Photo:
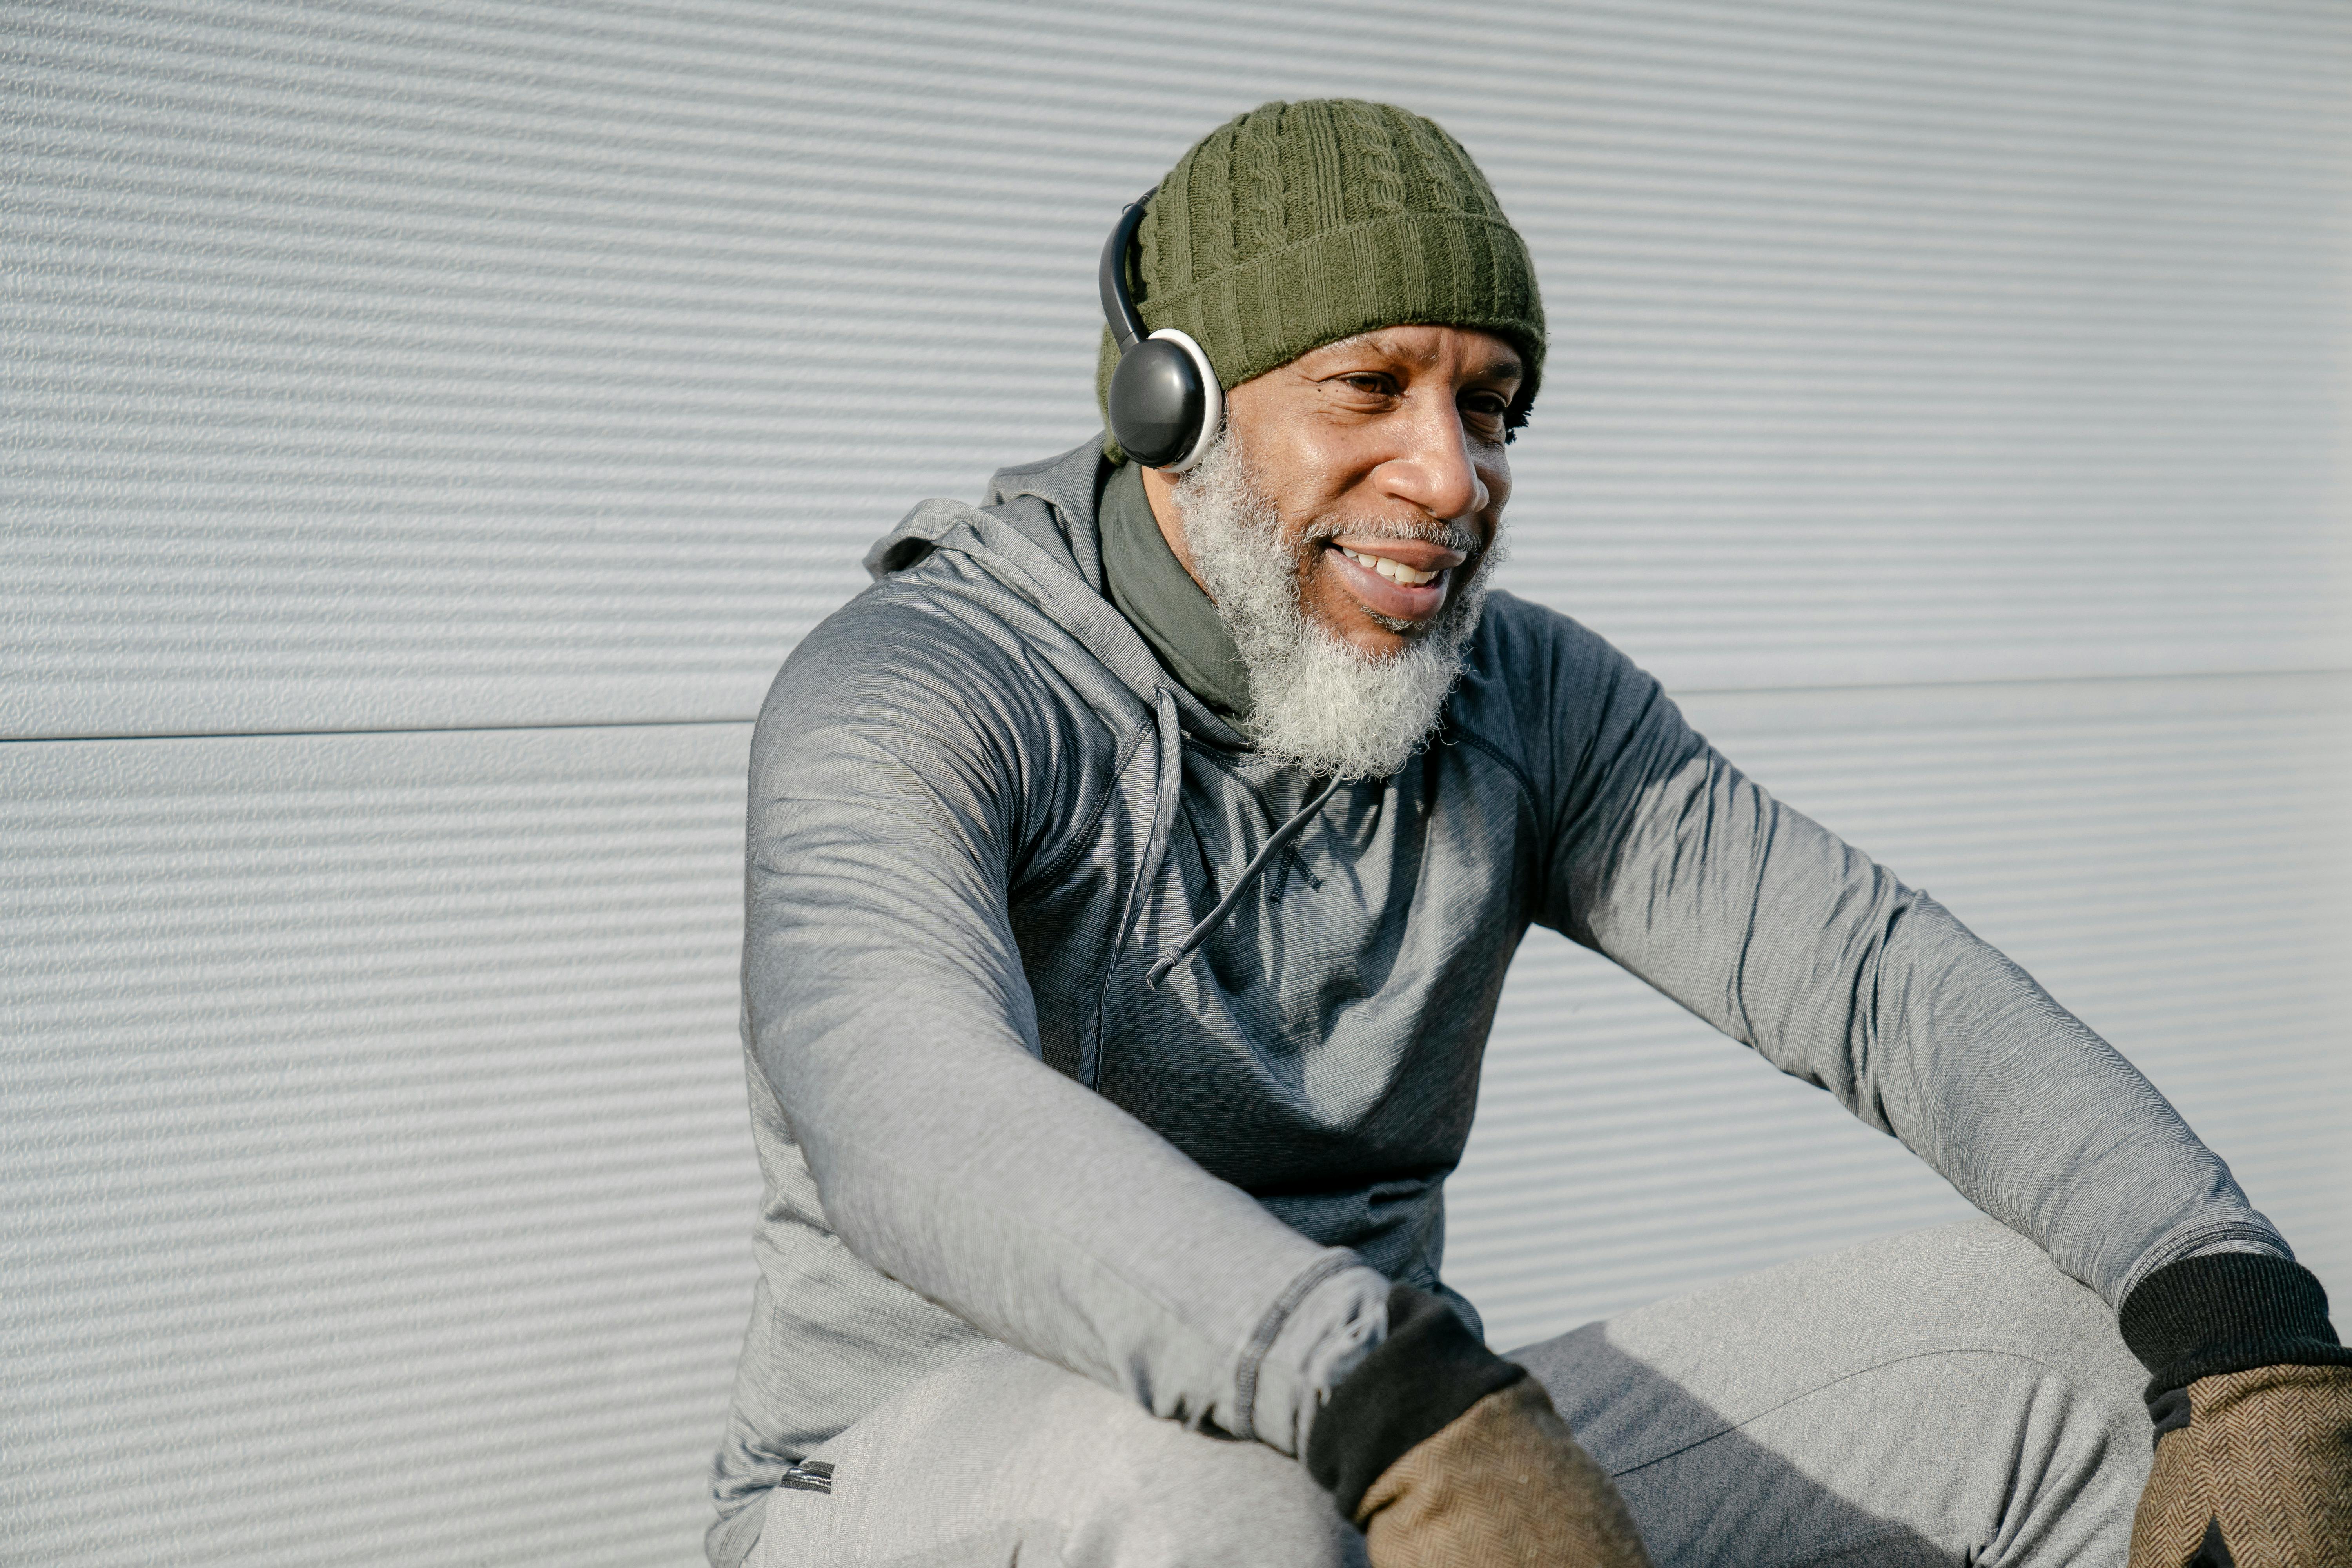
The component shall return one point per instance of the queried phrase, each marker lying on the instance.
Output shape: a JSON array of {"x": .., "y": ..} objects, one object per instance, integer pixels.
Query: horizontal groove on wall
[
  {"x": 378, "y": 1165},
  {"x": 442, "y": 367}
]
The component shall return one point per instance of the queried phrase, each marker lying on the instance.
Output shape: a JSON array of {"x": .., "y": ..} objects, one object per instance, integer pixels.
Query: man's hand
[
  {"x": 2252, "y": 1393},
  {"x": 1449, "y": 1457},
  {"x": 2259, "y": 1475},
  {"x": 1505, "y": 1485}
]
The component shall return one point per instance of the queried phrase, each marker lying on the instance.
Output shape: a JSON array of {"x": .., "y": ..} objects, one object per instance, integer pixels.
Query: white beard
[{"x": 1317, "y": 700}]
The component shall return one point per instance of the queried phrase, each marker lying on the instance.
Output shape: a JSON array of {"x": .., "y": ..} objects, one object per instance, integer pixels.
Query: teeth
[{"x": 1394, "y": 571}]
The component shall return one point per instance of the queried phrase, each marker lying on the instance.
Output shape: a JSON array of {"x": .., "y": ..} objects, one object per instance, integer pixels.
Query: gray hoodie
[{"x": 1073, "y": 1023}]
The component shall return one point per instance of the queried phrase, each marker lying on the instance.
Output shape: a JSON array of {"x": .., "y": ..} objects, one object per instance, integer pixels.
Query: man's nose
[{"x": 1433, "y": 469}]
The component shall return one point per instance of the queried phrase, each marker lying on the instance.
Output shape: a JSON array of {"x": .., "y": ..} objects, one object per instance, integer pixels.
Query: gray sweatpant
[{"x": 1942, "y": 1397}]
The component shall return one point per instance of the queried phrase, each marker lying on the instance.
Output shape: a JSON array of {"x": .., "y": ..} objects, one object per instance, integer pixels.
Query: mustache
[{"x": 1444, "y": 535}]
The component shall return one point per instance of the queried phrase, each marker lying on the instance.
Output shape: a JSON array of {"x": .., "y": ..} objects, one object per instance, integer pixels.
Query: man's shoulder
[
  {"x": 1515, "y": 626},
  {"x": 938, "y": 605},
  {"x": 1527, "y": 656},
  {"x": 1542, "y": 687},
  {"x": 940, "y": 651}
]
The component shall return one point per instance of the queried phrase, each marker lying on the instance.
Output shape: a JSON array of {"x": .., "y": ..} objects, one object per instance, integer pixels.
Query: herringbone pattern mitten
[
  {"x": 2265, "y": 1462},
  {"x": 1503, "y": 1486}
]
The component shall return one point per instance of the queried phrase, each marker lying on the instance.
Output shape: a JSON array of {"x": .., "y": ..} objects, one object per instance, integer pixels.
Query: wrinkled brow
[{"x": 1504, "y": 367}]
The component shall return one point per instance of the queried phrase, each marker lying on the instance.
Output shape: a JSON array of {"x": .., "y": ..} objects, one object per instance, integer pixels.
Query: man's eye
[
  {"x": 1371, "y": 384},
  {"x": 1488, "y": 414}
]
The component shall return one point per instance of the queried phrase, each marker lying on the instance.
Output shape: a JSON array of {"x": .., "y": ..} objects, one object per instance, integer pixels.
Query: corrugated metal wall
[{"x": 425, "y": 428}]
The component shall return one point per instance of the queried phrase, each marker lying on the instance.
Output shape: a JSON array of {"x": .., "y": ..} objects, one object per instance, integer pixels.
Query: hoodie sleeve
[
  {"x": 891, "y": 794},
  {"x": 1686, "y": 872}
]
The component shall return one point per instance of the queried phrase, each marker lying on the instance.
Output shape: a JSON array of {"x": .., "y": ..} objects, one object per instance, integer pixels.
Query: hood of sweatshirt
[{"x": 1037, "y": 534}]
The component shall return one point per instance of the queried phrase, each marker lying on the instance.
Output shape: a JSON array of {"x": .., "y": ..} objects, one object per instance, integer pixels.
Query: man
[{"x": 1133, "y": 872}]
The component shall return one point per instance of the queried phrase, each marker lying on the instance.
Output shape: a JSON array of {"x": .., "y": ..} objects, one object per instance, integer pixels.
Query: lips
[
  {"x": 1392, "y": 593},
  {"x": 1390, "y": 567}
]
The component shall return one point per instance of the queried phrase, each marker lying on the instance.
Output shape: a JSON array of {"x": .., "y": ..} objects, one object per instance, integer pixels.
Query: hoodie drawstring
[
  {"x": 1275, "y": 843},
  {"x": 1164, "y": 806}
]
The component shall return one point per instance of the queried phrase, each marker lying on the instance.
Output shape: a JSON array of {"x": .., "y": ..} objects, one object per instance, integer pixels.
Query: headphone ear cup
[
  {"x": 1212, "y": 397},
  {"x": 1158, "y": 402}
]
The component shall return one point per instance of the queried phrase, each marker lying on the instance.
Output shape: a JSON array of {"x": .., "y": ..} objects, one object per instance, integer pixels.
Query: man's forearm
[{"x": 1053, "y": 1221}]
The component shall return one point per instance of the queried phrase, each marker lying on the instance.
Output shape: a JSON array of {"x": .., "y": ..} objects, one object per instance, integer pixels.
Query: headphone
[{"x": 1165, "y": 403}]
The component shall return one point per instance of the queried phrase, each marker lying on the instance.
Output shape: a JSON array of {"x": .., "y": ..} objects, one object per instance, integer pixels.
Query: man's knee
[
  {"x": 1003, "y": 1445},
  {"x": 1215, "y": 1501},
  {"x": 1974, "y": 1285},
  {"x": 1155, "y": 1495},
  {"x": 1890, "y": 1394}
]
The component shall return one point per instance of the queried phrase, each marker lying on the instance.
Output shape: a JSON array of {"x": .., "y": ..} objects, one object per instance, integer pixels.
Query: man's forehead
[{"x": 1484, "y": 353}]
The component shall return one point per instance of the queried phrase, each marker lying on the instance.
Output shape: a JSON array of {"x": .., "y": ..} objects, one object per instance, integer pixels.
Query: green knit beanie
[{"x": 1297, "y": 224}]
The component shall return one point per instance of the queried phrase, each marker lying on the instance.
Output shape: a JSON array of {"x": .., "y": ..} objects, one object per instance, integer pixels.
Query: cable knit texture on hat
[{"x": 1297, "y": 224}]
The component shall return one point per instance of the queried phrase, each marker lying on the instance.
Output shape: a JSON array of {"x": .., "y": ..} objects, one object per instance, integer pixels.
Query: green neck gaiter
[{"x": 1160, "y": 600}]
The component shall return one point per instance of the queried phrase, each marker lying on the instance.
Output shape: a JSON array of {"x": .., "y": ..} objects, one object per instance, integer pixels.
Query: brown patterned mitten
[
  {"x": 1502, "y": 1486},
  {"x": 1449, "y": 1457},
  {"x": 2259, "y": 1476}
]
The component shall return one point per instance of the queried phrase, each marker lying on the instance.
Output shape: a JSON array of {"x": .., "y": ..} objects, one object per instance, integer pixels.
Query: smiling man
[{"x": 1133, "y": 871}]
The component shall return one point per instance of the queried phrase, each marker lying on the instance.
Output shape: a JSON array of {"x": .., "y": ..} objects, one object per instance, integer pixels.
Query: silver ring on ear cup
[{"x": 1213, "y": 400}]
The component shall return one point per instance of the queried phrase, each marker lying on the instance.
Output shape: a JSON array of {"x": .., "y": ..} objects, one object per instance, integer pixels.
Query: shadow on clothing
[{"x": 1702, "y": 1491}]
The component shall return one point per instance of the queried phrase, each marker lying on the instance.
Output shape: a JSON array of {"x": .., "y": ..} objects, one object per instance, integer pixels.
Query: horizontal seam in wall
[
  {"x": 2002, "y": 683},
  {"x": 381, "y": 730},
  {"x": 2006, "y": 682}
]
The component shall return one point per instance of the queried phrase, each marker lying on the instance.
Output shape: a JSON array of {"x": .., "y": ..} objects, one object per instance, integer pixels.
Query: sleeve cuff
[
  {"x": 1324, "y": 1337},
  {"x": 1426, "y": 1371},
  {"x": 2227, "y": 1311}
]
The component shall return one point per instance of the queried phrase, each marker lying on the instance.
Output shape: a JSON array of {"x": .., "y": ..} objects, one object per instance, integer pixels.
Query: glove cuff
[
  {"x": 2226, "y": 1311},
  {"x": 1427, "y": 1372}
]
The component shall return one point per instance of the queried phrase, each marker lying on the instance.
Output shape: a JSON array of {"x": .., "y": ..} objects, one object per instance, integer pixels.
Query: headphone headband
[{"x": 1119, "y": 306}]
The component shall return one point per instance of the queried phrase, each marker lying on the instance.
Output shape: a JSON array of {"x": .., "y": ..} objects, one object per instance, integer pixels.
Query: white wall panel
[
  {"x": 376, "y": 366},
  {"x": 375, "y": 1171},
  {"x": 377, "y": 1184},
  {"x": 2171, "y": 859}
]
